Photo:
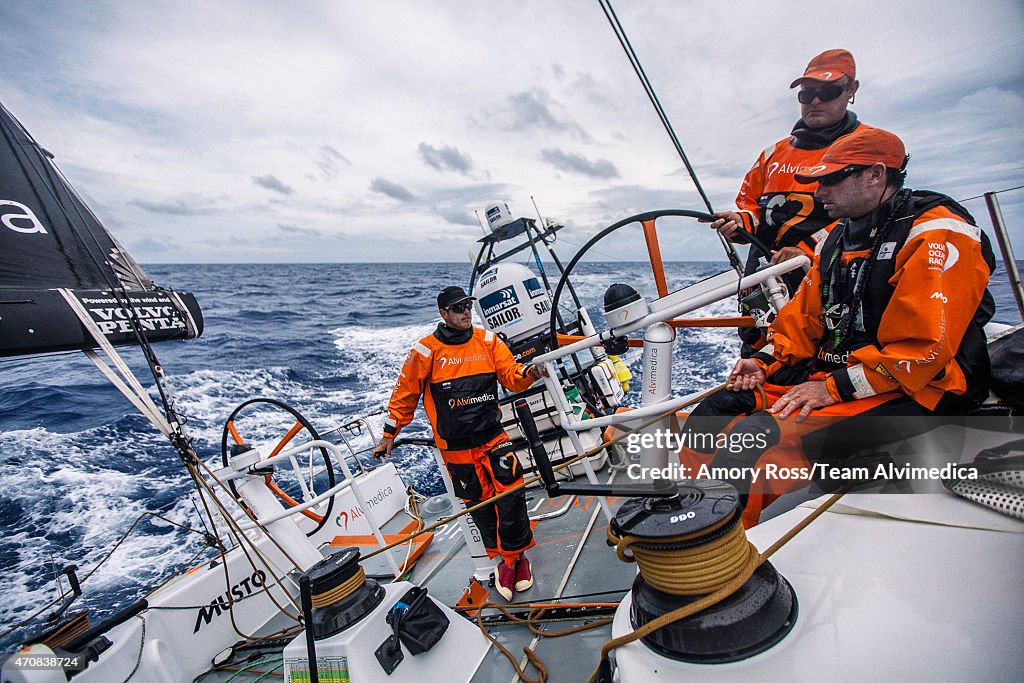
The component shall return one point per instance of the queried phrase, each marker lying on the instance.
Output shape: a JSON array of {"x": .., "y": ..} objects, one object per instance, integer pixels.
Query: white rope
[
  {"x": 118, "y": 372},
  {"x": 144, "y": 404}
]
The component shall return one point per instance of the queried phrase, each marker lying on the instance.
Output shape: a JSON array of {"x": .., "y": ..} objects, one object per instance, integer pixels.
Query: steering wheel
[
  {"x": 648, "y": 221},
  {"x": 255, "y": 415}
]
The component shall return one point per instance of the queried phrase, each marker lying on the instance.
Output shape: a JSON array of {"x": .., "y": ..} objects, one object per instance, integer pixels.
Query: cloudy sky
[{"x": 255, "y": 131}]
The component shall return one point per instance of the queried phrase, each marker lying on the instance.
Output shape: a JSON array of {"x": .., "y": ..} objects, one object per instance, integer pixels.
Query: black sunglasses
[
  {"x": 840, "y": 175},
  {"x": 460, "y": 307},
  {"x": 824, "y": 94}
]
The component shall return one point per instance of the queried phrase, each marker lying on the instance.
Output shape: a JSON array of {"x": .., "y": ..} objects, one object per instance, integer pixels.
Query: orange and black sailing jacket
[
  {"x": 777, "y": 207},
  {"x": 457, "y": 375},
  {"x": 781, "y": 210},
  {"x": 905, "y": 313}
]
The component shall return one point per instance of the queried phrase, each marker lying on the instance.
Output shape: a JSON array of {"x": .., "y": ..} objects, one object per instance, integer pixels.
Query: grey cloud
[
  {"x": 271, "y": 182},
  {"x": 532, "y": 109},
  {"x": 479, "y": 193},
  {"x": 298, "y": 230},
  {"x": 148, "y": 245},
  {"x": 445, "y": 158},
  {"x": 577, "y": 163},
  {"x": 175, "y": 207},
  {"x": 624, "y": 200},
  {"x": 457, "y": 216},
  {"x": 595, "y": 92},
  {"x": 457, "y": 204},
  {"x": 327, "y": 161},
  {"x": 393, "y": 190}
]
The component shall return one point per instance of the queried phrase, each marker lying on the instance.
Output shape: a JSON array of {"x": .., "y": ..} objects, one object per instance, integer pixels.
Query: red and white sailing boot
[
  {"x": 505, "y": 579},
  {"x": 524, "y": 576}
]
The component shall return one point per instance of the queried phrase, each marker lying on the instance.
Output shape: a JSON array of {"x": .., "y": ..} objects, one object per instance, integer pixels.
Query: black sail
[{"x": 50, "y": 241}]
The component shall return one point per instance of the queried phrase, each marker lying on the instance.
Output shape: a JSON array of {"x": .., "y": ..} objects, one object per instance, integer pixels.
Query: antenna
[
  {"x": 478, "y": 220},
  {"x": 543, "y": 223}
]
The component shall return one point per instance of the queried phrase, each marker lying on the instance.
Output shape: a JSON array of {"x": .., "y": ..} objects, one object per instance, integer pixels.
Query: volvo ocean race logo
[
  {"x": 501, "y": 307},
  {"x": 222, "y": 603}
]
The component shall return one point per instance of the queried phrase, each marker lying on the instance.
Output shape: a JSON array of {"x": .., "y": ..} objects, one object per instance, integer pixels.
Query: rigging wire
[
  {"x": 51, "y": 177},
  {"x": 620, "y": 33},
  {"x": 99, "y": 564},
  {"x": 1008, "y": 189},
  {"x": 560, "y": 466},
  {"x": 634, "y": 60}
]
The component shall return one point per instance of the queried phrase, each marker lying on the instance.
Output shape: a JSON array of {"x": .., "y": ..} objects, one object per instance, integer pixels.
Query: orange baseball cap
[
  {"x": 864, "y": 147},
  {"x": 830, "y": 65}
]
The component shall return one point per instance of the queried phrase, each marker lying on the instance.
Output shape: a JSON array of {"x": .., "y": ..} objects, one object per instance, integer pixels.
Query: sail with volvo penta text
[{"x": 64, "y": 278}]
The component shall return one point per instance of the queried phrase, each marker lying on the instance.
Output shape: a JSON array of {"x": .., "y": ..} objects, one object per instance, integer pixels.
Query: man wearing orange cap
[
  {"x": 889, "y": 320},
  {"x": 772, "y": 203}
]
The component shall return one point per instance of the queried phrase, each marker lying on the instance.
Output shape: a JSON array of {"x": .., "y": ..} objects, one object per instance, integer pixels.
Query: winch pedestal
[
  {"x": 692, "y": 526},
  {"x": 349, "y": 629}
]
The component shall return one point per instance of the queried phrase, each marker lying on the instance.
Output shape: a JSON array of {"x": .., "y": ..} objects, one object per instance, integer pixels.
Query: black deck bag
[{"x": 417, "y": 621}]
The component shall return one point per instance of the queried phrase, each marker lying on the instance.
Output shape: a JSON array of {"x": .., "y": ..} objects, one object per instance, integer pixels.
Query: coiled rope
[
  {"x": 697, "y": 563},
  {"x": 723, "y": 591},
  {"x": 341, "y": 591}
]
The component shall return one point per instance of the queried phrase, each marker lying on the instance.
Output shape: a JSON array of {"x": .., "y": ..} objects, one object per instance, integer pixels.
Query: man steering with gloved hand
[{"x": 457, "y": 369}]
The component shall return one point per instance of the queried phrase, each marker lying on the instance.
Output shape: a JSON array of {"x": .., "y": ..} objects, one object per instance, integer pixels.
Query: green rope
[
  {"x": 271, "y": 671},
  {"x": 244, "y": 669}
]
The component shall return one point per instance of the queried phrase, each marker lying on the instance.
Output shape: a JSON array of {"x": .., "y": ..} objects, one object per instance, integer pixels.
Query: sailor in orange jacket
[
  {"x": 888, "y": 321},
  {"x": 773, "y": 203},
  {"x": 456, "y": 370}
]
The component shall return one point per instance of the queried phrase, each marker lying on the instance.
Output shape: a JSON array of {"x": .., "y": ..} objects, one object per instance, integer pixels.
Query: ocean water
[{"x": 78, "y": 464}]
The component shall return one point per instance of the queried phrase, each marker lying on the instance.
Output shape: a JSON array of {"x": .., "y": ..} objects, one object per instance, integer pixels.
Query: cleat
[
  {"x": 504, "y": 578},
  {"x": 524, "y": 576}
]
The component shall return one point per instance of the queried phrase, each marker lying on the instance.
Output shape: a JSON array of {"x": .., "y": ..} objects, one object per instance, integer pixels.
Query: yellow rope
[
  {"x": 341, "y": 591},
  {"x": 697, "y": 570},
  {"x": 725, "y": 590}
]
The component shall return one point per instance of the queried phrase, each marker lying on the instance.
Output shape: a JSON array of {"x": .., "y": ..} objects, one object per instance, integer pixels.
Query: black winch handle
[
  {"x": 533, "y": 440},
  {"x": 306, "y": 598},
  {"x": 659, "y": 489}
]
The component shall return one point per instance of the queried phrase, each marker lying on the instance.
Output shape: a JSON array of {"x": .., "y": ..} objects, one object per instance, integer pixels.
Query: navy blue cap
[{"x": 450, "y": 296}]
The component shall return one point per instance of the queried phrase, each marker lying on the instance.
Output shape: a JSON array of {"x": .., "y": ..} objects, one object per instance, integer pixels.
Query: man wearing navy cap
[{"x": 456, "y": 370}]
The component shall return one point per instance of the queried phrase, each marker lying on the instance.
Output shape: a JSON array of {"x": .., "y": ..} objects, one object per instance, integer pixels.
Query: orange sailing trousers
[{"x": 481, "y": 473}]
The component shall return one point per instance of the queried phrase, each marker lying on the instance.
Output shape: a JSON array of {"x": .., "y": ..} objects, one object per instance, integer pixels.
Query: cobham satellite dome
[{"x": 498, "y": 215}]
